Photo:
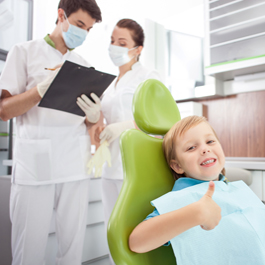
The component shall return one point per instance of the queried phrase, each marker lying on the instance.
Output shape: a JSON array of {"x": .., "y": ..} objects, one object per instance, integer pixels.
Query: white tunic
[
  {"x": 117, "y": 107},
  {"x": 51, "y": 146}
]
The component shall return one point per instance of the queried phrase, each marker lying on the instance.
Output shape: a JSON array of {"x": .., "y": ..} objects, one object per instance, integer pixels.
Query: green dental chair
[{"x": 146, "y": 173}]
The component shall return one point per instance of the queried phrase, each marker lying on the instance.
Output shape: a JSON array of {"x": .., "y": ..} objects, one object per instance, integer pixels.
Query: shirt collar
[
  {"x": 183, "y": 183},
  {"x": 50, "y": 42}
]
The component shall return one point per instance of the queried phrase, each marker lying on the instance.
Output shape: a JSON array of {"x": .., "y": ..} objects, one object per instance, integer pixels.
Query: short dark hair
[
  {"x": 89, "y": 6},
  {"x": 137, "y": 31}
]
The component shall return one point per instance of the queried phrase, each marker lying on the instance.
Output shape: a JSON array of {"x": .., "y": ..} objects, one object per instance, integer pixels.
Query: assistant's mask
[
  {"x": 119, "y": 55},
  {"x": 74, "y": 36}
]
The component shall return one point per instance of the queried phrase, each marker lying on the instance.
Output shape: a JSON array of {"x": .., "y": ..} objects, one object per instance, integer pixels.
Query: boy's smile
[
  {"x": 199, "y": 154},
  {"x": 208, "y": 162}
]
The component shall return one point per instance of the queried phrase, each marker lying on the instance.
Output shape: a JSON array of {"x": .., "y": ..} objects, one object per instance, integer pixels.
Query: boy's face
[{"x": 199, "y": 154}]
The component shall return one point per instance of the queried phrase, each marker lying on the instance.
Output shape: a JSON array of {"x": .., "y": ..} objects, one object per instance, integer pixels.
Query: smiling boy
[
  {"x": 183, "y": 217},
  {"x": 188, "y": 144}
]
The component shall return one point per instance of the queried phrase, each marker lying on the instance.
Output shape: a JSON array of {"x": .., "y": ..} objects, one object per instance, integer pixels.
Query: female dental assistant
[
  {"x": 51, "y": 147},
  {"x": 127, "y": 42}
]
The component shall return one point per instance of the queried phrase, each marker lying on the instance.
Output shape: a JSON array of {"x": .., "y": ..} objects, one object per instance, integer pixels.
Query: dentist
[
  {"x": 127, "y": 41},
  {"x": 51, "y": 147}
]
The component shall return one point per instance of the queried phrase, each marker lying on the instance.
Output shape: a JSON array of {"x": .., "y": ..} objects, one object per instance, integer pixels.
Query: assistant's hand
[
  {"x": 114, "y": 130},
  {"x": 210, "y": 210},
  {"x": 91, "y": 109},
  {"x": 43, "y": 86},
  {"x": 98, "y": 131}
]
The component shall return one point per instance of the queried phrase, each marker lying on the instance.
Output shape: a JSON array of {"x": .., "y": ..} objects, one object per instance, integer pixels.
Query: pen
[{"x": 51, "y": 69}]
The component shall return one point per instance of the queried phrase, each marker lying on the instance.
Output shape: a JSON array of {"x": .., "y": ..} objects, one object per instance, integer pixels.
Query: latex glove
[
  {"x": 114, "y": 130},
  {"x": 101, "y": 156},
  {"x": 44, "y": 85},
  {"x": 91, "y": 109}
]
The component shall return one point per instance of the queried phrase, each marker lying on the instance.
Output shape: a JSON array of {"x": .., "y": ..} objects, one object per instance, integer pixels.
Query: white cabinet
[
  {"x": 3, "y": 146},
  {"x": 235, "y": 37},
  {"x": 5, "y": 224}
]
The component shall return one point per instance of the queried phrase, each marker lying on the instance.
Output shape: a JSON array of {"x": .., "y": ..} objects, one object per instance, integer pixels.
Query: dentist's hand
[
  {"x": 114, "y": 130},
  {"x": 91, "y": 109},
  {"x": 210, "y": 210},
  {"x": 43, "y": 86}
]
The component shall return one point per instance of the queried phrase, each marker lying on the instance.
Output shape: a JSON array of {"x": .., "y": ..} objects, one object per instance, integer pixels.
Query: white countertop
[{"x": 252, "y": 163}]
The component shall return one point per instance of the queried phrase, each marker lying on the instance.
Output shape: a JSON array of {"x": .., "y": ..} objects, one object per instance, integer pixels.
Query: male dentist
[{"x": 51, "y": 147}]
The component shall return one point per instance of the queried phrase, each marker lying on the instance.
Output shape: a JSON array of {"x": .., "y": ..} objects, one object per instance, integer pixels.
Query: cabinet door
[
  {"x": 235, "y": 37},
  {"x": 3, "y": 146}
]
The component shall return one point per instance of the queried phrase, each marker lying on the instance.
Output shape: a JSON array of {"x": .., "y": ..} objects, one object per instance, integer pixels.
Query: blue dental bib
[{"x": 239, "y": 238}]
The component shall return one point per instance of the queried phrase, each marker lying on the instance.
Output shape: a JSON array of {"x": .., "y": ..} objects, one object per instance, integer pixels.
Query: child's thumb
[{"x": 210, "y": 190}]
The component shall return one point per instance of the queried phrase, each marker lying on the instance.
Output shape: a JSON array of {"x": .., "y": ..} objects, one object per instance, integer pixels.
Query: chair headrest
[
  {"x": 235, "y": 174},
  {"x": 154, "y": 109}
]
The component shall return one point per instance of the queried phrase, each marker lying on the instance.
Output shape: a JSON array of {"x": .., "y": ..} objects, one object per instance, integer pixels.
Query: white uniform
[
  {"x": 50, "y": 152},
  {"x": 117, "y": 107}
]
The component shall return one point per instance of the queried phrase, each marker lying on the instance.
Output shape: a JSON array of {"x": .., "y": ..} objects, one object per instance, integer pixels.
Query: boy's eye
[
  {"x": 191, "y": 148},
  {"x": 210, "y": 142}
]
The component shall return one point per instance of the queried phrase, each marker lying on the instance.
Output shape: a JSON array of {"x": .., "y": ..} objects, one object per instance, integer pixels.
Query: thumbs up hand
[{"x": 210, "y": 211}]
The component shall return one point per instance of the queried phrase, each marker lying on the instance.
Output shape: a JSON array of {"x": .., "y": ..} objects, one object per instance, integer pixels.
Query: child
[{"x": 195, "y": 156}]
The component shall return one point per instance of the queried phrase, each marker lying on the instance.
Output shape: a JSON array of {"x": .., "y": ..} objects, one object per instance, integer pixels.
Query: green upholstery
[
  {"x": 146, "y": 173},
  {"x": 154, "y": 109}
]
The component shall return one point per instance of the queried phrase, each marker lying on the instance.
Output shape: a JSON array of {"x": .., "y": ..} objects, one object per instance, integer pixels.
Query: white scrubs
[
  {"x": 117, "y": 107},
  {"x": 50, "y": 153}
]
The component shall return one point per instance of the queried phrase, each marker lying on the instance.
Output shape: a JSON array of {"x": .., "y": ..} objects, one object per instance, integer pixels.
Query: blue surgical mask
[
  {"x": 74, "y": 36},
  {"x": 119, "y": 55}
]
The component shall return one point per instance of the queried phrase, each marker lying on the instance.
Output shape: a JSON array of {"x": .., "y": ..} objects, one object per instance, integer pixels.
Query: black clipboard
[{"x": 72, "y": 81}]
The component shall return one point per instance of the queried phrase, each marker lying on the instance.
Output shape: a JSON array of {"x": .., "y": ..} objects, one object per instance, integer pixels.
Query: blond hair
[{"x": 178, "y": 130}]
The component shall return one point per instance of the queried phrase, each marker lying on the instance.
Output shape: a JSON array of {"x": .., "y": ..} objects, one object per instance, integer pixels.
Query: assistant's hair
[
  {"x": 178, "y": 130},
  {"x": 136, "y": 30},
  {"x": 89, "y": 6}
]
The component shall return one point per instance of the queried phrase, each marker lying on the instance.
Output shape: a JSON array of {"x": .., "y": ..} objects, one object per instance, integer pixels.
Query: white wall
[
  {"x": 172, "y": 13},
  {"x": 189, "y": 21}
]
